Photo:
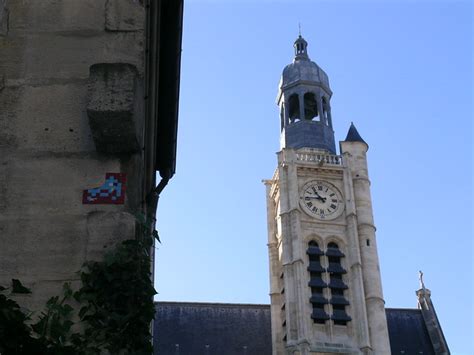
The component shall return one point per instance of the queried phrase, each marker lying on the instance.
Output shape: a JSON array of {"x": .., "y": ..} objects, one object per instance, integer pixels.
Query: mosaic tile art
[{"x": 111, "y": 192}]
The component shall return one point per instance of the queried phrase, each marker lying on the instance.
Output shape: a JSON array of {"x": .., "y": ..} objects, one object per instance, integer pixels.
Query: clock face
[{"x": 321, "y": 200}]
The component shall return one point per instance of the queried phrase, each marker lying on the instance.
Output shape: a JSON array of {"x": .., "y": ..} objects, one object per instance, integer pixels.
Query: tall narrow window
[
  {"x": 282, "y": 118},
  {"x": 283, "y": 306},
  {"x": 316, "y": 283},
  {"x": 294, "y": 111},
  {"x": 325, "y": 110},
  {"x": 310, "y": 106},
  {"x": 336, "y": 285}
]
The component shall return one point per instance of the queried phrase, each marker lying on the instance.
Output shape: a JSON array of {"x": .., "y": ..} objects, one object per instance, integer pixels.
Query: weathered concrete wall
[{"x": 47, "y": 152}]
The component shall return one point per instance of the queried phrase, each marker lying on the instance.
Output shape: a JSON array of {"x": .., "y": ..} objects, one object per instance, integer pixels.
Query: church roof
[
  {"x": 189, "y": 328},
  {"x": 407, "y": 332},
  {"x": 212, "y": 328}
]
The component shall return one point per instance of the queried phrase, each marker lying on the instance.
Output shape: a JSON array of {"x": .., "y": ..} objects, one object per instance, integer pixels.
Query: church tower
[{"x": 326, "y": 291}]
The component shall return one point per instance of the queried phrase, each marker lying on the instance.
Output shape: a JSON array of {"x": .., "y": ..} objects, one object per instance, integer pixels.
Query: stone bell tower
[{"x": 326, "y": 291}]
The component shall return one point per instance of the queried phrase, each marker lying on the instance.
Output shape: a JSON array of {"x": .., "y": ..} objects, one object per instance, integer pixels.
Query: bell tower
[{"x": 325, "y": 284}]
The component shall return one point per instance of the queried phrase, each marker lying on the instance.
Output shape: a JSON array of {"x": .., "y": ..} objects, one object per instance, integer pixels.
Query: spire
[
  {"x": 425, "y": 305},
  {"x": 301, "y": 52},
  {"x": 353, "y": 135}
]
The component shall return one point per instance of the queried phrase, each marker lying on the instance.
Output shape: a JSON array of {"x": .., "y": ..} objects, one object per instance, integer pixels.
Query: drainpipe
[{"x": 154, "y": 195}]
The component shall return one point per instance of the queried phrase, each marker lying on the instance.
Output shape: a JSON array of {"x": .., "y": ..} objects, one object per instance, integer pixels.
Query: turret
[
  {"x": 354, "y": 150},
  {"x": 304, "y": 100}
]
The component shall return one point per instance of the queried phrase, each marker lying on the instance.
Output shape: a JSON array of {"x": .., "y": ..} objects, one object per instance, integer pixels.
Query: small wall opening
[{"x": 310, "y": 107}]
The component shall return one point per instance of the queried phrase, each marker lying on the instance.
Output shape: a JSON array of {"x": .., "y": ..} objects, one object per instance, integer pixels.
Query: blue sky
[{"x": 400, "y": 70}]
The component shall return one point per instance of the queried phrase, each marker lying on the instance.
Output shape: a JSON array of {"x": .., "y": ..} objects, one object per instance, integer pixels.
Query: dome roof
[{"x": 303, "y": 70}]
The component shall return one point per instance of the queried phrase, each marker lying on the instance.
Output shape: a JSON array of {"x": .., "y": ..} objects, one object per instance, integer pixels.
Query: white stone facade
[{"x": 290, "y": 229}]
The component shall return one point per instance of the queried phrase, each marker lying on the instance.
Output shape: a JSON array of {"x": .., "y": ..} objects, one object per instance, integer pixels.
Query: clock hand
[
  {"x": 320, "y": 197},
  {"x": 317, "y": 198}
]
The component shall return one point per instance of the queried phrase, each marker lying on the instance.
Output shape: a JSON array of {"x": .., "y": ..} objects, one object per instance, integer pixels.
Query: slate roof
[
  {"x": 225, "y": 328},
  {"x": 407, "y": 332},
  {"x": 353, "y": 135},
  {"x": 237, "y": 329}
]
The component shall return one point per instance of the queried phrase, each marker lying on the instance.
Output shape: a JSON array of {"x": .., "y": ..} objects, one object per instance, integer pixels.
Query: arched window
[
  {"x": 310, "y": 106},
  {"x": 336, "y": 285},
  {"x": 316, "y": 283},
  {"x": 294, "y": 111}
]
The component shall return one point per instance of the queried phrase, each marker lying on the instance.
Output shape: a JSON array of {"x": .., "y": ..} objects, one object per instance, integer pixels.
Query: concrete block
[
  {"x": 51, "y": 181},
  {"x": 40, "y": 247},
  {"x": 64, "y": 17},
  {"x": 124, "y": 15},
  {"x": 40, "y": 58},
  {"x": 105, "y": 230},
  {"x": 46, "y": 118},
  {"x": 111, "y": 107}
]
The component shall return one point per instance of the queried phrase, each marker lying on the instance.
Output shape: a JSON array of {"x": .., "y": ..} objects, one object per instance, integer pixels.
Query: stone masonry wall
[{"x": 48, "y": 155}]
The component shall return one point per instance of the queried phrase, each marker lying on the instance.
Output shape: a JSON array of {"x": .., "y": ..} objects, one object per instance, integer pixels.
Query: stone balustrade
[{"x": 319, "y": 158}]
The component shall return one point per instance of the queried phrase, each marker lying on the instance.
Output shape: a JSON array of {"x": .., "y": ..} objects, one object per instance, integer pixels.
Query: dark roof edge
[
  {"x": 249, "y": 305},
  {"x": 207, "y": 304},
  {"x": 403, "y": 309},
  {"x": 164, "y": 41}
]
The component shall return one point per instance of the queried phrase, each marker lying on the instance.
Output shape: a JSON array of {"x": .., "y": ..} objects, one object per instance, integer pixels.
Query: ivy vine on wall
[{"x": 114, "y": 314}]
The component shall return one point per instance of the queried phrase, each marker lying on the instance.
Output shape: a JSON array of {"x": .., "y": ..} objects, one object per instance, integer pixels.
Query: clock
[{"x": 321, "y": 200}]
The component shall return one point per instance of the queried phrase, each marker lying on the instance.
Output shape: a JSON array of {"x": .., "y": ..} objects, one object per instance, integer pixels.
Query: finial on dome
[{"x": 301, "y": 46}]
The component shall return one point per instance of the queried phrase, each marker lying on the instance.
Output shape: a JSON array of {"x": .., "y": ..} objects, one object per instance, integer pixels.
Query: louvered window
[
  {"x": 316, "y": 283},
  {"x": 336, "y": 285}
]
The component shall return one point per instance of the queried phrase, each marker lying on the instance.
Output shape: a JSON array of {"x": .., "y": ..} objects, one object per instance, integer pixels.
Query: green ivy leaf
[
  {"x": 156, "y": 236},
  {"x": 67, "y": 290},
  {"x": 83, "y": 311},
  {"x": 17, "y": 287}
]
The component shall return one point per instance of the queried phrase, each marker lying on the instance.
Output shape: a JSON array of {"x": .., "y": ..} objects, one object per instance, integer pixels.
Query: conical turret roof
[{"x": 353, "y": 135}]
